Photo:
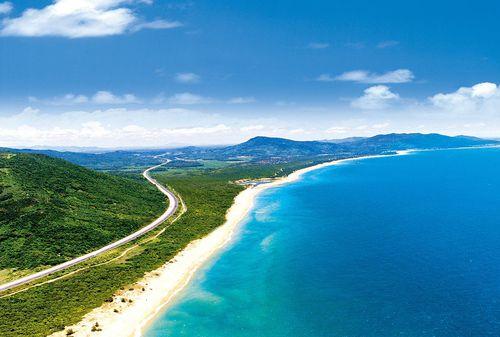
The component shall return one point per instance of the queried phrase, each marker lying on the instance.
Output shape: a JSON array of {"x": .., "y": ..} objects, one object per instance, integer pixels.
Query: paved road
[{"x": 172, "y": 207}]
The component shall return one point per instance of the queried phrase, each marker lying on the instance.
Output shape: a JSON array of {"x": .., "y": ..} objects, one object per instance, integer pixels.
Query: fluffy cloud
[
  {"x": 68, "y": 99},
  {"x": 197, "y": 130},
  {"x": 376, "y": 97},
  {"x": 142, "y": 128},
  {"x": 187, "y": 98},
  {"x": 241, "y": 100},
  {"x": 469, "y": 110},
  {"x": 337, "y": 130},
  {"x": 480, "y": 97},
  {"x": 187, "y": 78},
  {"x": 111, "y": 127},
  {"x": 325, "y": 78},
  {"x": 362, "y": 76},
  {"x": 100, "y": 97},
  {"x": 380, "y": 125},
  {"x": 86, "y": 133},
  {"x": 80, "y": 18},
  {"x": 5, "y": 7},
  {"x": 106, "y": 97},
  {"x": 249, "y": 128}
]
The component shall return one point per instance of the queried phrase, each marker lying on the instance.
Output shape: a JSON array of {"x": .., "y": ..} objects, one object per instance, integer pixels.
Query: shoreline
[{"x": 133, "y": 310}]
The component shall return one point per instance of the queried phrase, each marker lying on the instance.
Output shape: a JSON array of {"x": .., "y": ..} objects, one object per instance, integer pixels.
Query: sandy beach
[{"x": 135, "y": 307}]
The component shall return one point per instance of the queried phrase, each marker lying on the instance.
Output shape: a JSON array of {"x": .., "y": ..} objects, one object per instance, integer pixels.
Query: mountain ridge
[{"x": 266, "y": 148}]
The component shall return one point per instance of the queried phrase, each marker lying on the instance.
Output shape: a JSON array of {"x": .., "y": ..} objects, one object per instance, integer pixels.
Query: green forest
[{"x": 52, "y": 211}]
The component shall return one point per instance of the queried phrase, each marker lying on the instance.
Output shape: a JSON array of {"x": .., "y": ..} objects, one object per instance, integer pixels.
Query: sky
[{"x": 151, "y": 73}]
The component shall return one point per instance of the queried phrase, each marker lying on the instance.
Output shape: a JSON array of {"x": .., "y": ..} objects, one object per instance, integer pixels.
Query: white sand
[{"x": 126, "y": 319}]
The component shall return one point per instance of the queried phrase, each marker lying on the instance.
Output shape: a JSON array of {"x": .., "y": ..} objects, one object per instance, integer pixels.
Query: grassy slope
[
  {"x": 207, "y": 194},
  {"x": 51, "y": 210}
]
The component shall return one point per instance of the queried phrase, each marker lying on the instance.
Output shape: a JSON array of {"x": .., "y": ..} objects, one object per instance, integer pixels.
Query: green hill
[{"x": 52, "y": 210}]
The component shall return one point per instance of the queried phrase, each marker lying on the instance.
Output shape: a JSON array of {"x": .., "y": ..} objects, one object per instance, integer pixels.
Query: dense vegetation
[
  {"x": 103, "y": 161},
  {"x": 207, "y": 193},
  {"x": 51, "y": 210}
]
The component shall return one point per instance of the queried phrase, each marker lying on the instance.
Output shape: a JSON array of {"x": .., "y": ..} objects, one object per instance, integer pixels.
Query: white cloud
[
  {"x": 100, "y": 97},
  {"x": 362, "y": 76},
  {"x": 376, "y": 97},
  {"x": 197, "y": 130},
  {"x": 134, "y": 129},
  {"x": 380, "y": 125},
  {"x": 157, "y": 24},
  {"x": 484, "y": 90},
  {"x": 112, "y": 127},
  {"x": 480, "y": 97},
  {"x": 318, "y": 45},
  {"x": 469, "y": 110},
  {"x": 5, "y": 7},
  {"x": 87, "y": 132},
  {"x": 75, "y": 99},
  {"x": 106, "y": 97},
  {"x": 337, "y": 130},
  {"x": 325, "y": 78},
  {"x": 252, "y": 128},
  {"x": 187, "y": 98},
  {"x": 68, "y": 99},
  {"x": 241, "y": 100},
  {"x": 94, "y": 129},
  {"x": 35, "y": 135},
  {"x": 80, "y": 18},
  {"x": 387, "y": 44},
  {"x": 187, "y": 78},
  {"x": 29, "y": 110}
]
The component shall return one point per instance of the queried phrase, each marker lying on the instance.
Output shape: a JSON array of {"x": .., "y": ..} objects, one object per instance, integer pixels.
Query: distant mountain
[
  {"x": 405, "y": 141},
  {"x": 266, "y": 149},
  {"x": 343, "y": 140},
  {"x": 52, "y": 210},
  {"x": 77, "y": 149}
]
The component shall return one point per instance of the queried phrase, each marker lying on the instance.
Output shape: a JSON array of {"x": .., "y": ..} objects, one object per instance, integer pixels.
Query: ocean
[{"x": 395, "y": 246}]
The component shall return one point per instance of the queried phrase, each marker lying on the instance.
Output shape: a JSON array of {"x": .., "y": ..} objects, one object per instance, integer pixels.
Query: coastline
[{"x": 132, "y": 310}]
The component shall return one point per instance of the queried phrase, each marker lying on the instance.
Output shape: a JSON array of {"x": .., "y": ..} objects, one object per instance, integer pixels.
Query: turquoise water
[{"x": 396, "y": 246}]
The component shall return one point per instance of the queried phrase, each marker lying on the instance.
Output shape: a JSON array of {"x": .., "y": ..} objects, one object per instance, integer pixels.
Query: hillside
[
  {"x": 106, "y": 161},
  {"x": 51, "y": 210}
]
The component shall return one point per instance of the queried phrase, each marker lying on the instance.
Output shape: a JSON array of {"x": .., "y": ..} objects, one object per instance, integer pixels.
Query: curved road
[{"x": 172, "y": 207}]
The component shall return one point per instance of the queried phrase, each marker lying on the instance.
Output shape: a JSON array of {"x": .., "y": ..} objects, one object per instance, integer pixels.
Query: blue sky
[{"x": 116, "y": 73}]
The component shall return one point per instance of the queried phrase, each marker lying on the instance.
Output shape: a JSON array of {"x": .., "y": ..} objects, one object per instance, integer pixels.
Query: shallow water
[{"x": 395, "y": 246}]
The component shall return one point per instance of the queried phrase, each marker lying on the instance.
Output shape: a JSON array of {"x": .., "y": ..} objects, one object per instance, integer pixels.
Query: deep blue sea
[{"x": 394, "y": 246}]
